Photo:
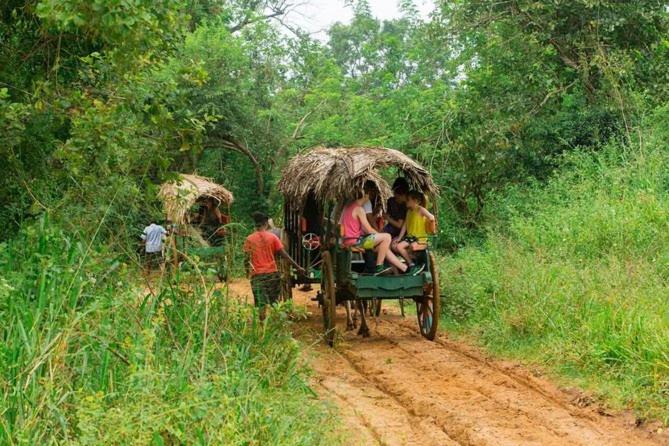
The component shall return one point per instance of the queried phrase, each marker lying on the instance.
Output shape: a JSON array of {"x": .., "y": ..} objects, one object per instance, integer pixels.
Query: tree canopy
[{"x": 103, "y": 100}]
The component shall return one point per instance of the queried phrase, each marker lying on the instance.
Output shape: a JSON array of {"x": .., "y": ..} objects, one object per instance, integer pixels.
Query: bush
[
  {"x": 88, "y": 357},
  {"x": 575, "y": 275}
]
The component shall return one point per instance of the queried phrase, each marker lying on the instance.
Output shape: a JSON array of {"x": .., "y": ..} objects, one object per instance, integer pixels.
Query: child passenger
[
  {"x": 358, "y": 232},
  {"x": 414, "y": 229},
  {"x": 396, "y": 209},
  {"x": 371, "y": 205}
]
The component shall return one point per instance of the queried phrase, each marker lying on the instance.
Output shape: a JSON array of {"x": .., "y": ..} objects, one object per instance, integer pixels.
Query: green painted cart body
[
  {"x": 312, "y": 208},
  {"x": 353, "y": 285}
]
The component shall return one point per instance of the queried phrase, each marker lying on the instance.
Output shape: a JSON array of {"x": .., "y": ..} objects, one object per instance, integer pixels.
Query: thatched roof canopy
[
  {"x": 179, "y": 196},
  {"x": 339, "y": 174}
]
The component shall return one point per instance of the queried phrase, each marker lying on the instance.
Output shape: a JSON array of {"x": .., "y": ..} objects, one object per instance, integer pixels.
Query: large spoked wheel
[
  {"x": 329, "y": 300},
  {"x": 429, "y": 306}
]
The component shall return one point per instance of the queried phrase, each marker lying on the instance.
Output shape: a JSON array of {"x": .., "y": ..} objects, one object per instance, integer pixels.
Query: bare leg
[
  {"x": 350, "y": 322},
  {"x": 397, "y": 263},
  {"x": 403, "y": 250},
  {"x": 383, "y": 252},
  {"x": 382, "y": 247}
]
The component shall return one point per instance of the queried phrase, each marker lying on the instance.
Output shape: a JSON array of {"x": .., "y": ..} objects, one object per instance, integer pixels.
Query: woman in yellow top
[{"x": 415, "y": 227}]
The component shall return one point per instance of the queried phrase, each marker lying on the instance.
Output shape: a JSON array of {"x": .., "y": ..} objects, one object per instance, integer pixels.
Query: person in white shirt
[
  {"x": 153, "y": 237},
  {"x": 370, "y": 205}
]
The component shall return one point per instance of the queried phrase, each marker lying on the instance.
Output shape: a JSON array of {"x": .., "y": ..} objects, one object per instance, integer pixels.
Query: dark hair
[
  {"x": 370, "y": 186},
  {"x": 401, "y": 185},
  {"x": 259, "y": 219},
  {"x": 417, "y": 195}
]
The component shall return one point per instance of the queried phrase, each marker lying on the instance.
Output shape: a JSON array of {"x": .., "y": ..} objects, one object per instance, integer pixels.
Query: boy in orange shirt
[{"x": 261, "y": 247}]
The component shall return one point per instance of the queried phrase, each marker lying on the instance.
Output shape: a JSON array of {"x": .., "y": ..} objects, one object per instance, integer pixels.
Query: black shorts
[
  {"x": 266, "y": 288},
  {"x": 152, "y": 259}
]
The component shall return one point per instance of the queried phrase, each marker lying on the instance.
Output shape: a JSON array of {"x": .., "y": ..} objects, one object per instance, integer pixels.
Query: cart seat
[{"x": 357, "y": 255}]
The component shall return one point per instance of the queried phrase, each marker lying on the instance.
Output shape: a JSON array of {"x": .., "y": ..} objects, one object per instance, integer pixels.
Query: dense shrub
[
  {"x": 574, "y": 275},
  {"x": 88, "y": 357}
]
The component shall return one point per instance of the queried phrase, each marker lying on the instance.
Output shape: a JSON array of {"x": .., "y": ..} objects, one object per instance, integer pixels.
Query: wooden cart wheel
[
  {"x": 329, "y": 299},
  {"x": 429, "y": 306}
]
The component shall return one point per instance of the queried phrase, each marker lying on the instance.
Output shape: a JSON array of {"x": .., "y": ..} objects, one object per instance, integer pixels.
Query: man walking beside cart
[
  {"x": 261, "y": 248},
  {"x": 152, "y": 239}
]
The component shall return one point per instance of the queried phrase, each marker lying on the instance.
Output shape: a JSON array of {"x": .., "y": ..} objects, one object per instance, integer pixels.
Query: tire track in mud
[
  {"x": 363, "y": 432},
  {"x": 459, "y": 412},
  {"x": 384, "y": 417},
  {"x": 395, "y": 388},
  {"x": 442, "y": 387}
]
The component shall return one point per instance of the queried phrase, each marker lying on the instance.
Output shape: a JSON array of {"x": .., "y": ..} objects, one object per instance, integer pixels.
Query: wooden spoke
[{"x": 428, "y": 308}]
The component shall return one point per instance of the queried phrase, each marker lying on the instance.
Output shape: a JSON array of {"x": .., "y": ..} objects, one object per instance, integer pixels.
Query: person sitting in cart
[
  {"x": 396, "y": 209},
  {"x": 358, "y": 232},
  {"x": 261, "y": 247},
  {"x": 371, "y": 206},
  {"x": 212, "y": 221},
  {"x": 415, "y": 231}
]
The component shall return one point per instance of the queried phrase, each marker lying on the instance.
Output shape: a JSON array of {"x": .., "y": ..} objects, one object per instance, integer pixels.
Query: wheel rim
[
  {"x": 425, "y": 315},
  {"x": 428, "y": 307}
]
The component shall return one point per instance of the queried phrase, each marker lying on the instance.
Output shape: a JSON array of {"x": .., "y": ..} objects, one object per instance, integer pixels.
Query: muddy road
[{"x": 395, "y": 388}]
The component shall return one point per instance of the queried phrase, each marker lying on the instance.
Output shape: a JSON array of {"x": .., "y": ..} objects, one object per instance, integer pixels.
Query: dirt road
[{"x": 395, "y": 388}]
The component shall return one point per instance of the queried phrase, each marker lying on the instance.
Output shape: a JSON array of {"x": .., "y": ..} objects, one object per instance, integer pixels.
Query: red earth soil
[{"x": 396, "y": 388}]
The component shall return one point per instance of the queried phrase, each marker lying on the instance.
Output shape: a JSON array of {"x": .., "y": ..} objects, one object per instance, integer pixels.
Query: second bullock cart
[{"x": 198, "y": 211}]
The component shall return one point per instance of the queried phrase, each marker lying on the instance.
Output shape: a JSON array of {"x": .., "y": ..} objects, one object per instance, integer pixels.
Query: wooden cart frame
[
  {"x": 326, "y": 179},
  {"x": 178, "y": 197}
]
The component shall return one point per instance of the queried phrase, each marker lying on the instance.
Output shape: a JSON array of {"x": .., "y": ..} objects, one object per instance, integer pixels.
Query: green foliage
[
  {"x": 88, "y": 358},
  {"x": 101, "y": 101},
  {"x": 486, "y": 95},
  {"x": 575, "y": 275},
  {"x": 552, "y": 77},
  {"x": 13, "y": 117},
  {"x": 133, "y": 26},
  {"x": 119, "y": 94}
]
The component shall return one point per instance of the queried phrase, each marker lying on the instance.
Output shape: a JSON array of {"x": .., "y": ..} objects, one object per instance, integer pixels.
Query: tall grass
[
  {"x": 89, "y": 356},
  {"x": 575, "y": 275}
]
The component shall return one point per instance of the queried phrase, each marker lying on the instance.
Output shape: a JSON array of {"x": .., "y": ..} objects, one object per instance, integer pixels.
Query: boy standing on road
[{"x": 261, "y": 247}]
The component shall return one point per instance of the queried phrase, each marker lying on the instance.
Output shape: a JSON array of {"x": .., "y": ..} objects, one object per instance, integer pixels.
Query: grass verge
[
  {"x": 576, "y": 278},
  {"x": 88, "y": 357}
]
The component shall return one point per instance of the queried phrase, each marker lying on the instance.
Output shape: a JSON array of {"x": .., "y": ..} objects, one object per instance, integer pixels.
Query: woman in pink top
[{"x": 358, "y": 232}]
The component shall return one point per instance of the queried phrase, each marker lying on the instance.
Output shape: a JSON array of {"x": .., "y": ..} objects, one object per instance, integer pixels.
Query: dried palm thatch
[
  {"x": 179, "y": 196},
  {"x": 340, "y": 174}
]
